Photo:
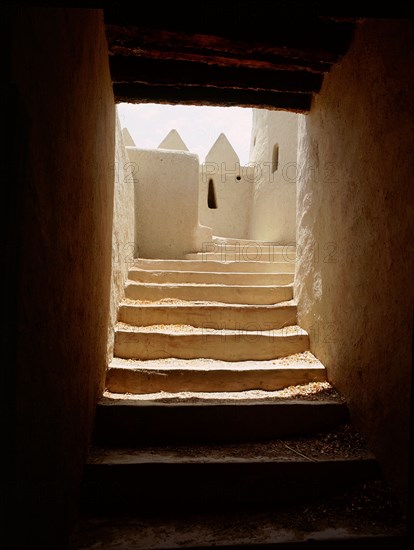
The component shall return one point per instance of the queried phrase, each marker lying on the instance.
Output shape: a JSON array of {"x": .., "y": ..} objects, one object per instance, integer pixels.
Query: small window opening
[
  {"x": 275, "y": 157},
  {"x": 211, "y": 195},
  {"x": 238, "y": 178},
  {"x": 254, "y": 141}
]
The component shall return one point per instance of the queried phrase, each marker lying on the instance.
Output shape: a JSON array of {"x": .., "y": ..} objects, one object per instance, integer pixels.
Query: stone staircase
[
  {"x": 202, "y": 327},
  {"x": 216, "y": 411}
]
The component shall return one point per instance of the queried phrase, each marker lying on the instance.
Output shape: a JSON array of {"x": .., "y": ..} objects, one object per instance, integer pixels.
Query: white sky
[{"x": 199, "y": 127}]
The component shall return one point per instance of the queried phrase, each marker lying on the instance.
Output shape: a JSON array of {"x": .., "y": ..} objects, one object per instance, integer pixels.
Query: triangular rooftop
[
  {"x": 128, "y": 141},
  {"x": 174, "y": 141},
  {"x": 222, "y": 151}
]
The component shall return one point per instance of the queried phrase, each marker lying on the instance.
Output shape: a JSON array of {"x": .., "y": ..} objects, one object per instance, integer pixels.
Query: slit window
[
  {"x": 275, "y": 157},
  {"x": 211, "y": 195}
]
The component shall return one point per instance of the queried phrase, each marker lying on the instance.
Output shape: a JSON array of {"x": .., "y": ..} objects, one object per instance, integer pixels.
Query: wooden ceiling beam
[
  {"x": 126, "y": 69},
  {"x": 158, "y": 42},
  {"x": 277, "y": 63},
  {"x": 260, "y": 26},
  {"x": 203, "y": 95}
]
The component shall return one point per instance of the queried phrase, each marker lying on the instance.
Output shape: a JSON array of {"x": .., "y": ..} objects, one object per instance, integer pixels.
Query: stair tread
[
  {"x": 212, "y": 265},
  {"x": 110, "y": 456},
  {"x": 171, "y": 303},
  {"x": 212, "y": 365},
  {"x": 341, "y": 443},
  {"x": 222, "y": 293},
  {"x": 209, "y": 277},
  {"x": 246, "y": 253},
  {"x": 189, "y": 262},
  {"x": 225, "y": 273},
  {"x": 143, "y": 534},
  {"x": 201, "y": 399},
  {"x": 211, "y": 375},
  {"x": 189, "y": 330},
  {"x": 244, "y": 250},
  {"x": 208, "y": 285},
  {"x": 216, "y": 239},
  {"x": 227, "y": 255},
  {"x": 299, "y": 360},
  {"x": 188, "y": 416},
  {"x": 360, "y": 515},
  {"x": 313, "y": 393}
]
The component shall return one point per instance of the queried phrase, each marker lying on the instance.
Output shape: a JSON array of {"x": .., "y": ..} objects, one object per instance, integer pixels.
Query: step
[
  {"x": 209, "y": 375},
  {"x": 213, "y": 266},
  {"x": 218, "y": 278},
  {"x": 186, "y": 342},
  {"x": 363, "y": 516},
  {"x": 227, "y": 254},
  {"x": 126, "y": 420},
  {"x": 225, "y": 476},
  {"x": 219, "y": 316},
  {"x": 247, "y": 247},
  {"x": 232, "y": 241},
  {"x": 217, "y": 293}
]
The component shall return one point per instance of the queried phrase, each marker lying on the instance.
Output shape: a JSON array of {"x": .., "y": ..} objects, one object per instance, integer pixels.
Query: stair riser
[
  {"x": 136, "y": 425},
  {"x": 162, "y": 277},
  {"x": 215, "y": 266},
  {"x": 115, "y": 486},
  {"x": 120, "y": 380},
  {"x": 230, "y": 242},
  {"x": 227, "y": 347},
  {"x": 215, "y": 317},
  {"x": 229, "y": 295},
  {"x": 245, "y": 255}
]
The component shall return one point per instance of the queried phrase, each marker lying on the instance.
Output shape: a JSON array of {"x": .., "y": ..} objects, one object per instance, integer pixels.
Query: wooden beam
[
  {"x": 196, "y": 95},
  {"x": 129, "y": 69},
  {"x": 277, "y": 63},
  {"x": 261, "y": 25},
  {"x": 153, "y": 42}
]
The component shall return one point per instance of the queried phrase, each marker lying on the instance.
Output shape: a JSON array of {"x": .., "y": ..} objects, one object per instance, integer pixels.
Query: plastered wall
[
  {"x": 354, "y": 280},
  {"x": 123, "y": 228},
  {"x": 62, "y": 180},
  {"x": 166, "y": 203},
  {"x": 273, "y": 157},
  {"x": 225, "y": 191}
]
